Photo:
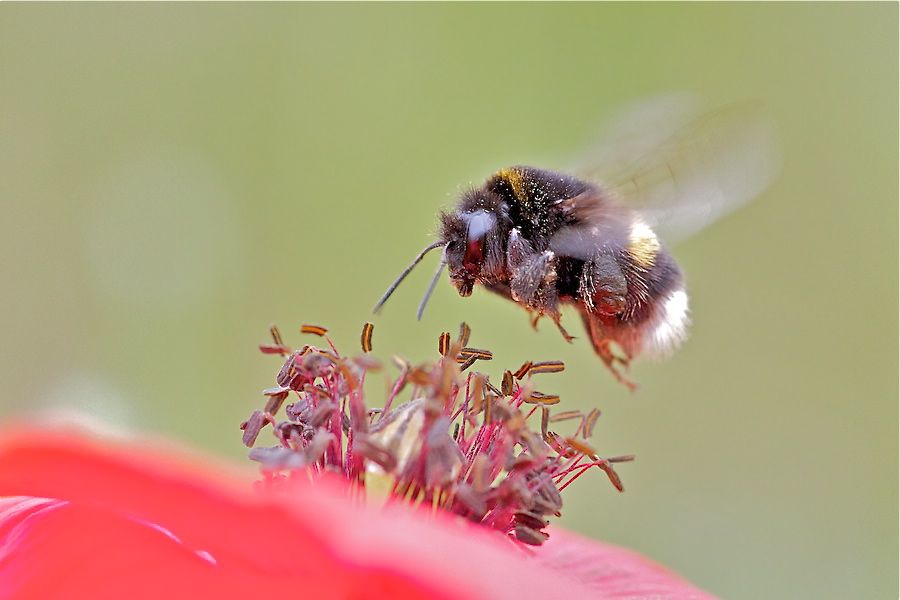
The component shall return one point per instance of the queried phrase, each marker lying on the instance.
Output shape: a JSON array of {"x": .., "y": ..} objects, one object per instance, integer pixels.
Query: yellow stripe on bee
[
  {"x": 515, "y": 180},
  {"x": 643, "y": 245}
]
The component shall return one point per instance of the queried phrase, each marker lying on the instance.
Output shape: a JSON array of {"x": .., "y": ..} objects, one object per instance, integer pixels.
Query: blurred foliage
[{"x": 176, "y": 177}]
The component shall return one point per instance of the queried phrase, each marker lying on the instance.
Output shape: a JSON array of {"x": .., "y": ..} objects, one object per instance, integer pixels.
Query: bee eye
[
  {"x": 473, "y": 256},
  {"x": 479, "y": 223}
]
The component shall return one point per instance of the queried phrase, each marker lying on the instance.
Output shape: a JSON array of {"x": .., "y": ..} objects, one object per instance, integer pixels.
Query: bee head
[
  {"x": 466, "y": 234},
  {"x": 471, "y": 237}
]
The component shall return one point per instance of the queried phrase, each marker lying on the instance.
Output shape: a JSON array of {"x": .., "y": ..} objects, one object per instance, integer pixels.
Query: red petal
[
  {"x": 123, "y": 520},
  {"x": 56, "y": 549},
  {"x": 613, "y": 572}
]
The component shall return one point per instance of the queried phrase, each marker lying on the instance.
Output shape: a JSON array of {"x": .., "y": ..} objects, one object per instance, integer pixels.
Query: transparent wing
[{"x": 681, "y": 167}]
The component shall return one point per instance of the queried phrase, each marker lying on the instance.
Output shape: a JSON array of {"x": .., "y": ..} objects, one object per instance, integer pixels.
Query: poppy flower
[
  {"x": 467, "y": 496},
  {"x": 82, "y": 517}
]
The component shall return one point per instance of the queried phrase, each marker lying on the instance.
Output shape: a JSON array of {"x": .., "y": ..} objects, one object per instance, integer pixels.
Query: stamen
[
  {"x": 273, "y": 349},
  {"x": 475, "y": 353},
  {"x": 523, "y": 370},
  {"x": 464, "y": 332},
  {"x": 314, "y": 329},
  {"x": 550, "y": 366},
  {"x": 444, "y": 343},
  {"x": 276, "y": 335},
  {"x": 544, "y": 399},
  {"x": 507, "y": 385},
  {"x": 566, "y": 416},
  {"x": 366, "y": 338},
  {"x": 488, "y": 409},
  {"x": 582, "y": 447},
  {"x": 590, "y": 421},
  {"x": 492, "y": 388},
  {"x": 467, "y": 362}
]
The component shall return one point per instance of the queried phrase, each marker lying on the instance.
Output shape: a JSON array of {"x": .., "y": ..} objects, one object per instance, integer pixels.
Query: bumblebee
[{"x": 545, "y": 239}]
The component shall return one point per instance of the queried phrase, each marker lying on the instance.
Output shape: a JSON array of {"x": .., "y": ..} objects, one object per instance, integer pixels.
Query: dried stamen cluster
[{"x": 457, "y": 444}]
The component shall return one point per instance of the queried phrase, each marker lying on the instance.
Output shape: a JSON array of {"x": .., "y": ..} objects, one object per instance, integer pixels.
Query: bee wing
[{"x": 683, "y": 168}]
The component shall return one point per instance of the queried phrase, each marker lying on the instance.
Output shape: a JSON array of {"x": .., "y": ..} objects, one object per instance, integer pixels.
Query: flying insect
[{"x": 596, "y": 239}]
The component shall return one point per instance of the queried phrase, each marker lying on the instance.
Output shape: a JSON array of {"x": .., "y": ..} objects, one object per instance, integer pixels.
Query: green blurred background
[{"x": 174, "y": 178}]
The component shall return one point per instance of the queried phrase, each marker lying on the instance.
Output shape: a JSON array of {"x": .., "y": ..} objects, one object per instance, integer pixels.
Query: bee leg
[
  {"x": 566, "y": 335},
  {"x": 518, "y": 251},
  {"x": 610, "y": 359},
  {"x": 603, "y": 286},
  {"x": 534, "y": 318},
  {"x": 556, "y": 317},
  {"x": 533, "y": 284},
  {"x": 603, "y": 347}
]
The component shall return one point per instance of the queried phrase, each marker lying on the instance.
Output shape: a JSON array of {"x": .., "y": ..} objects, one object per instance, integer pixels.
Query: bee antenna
[
  {"x": 431, "y": 286},
  {"x": 405, "y": 272}
]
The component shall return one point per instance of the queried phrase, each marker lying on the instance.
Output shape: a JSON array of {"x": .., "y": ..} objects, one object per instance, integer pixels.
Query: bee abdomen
[
  {"x": 666, "y": 329},
  {"x": 657, "y": 304}
]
